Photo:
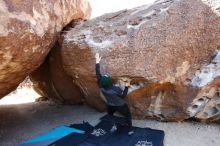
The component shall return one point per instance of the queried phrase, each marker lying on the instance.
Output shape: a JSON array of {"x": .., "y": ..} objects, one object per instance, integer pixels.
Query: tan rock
[
  {"x": 165, "y": 50},
  {"x": 211, "y": 92},
  {"x": 206, "y": 105},
  {"x": 28, "y": 29},
  {"x": 51, "y": 81}
]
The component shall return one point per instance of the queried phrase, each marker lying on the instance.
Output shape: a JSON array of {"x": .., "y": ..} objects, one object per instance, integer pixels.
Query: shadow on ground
[{"x": 22, "y": 121}]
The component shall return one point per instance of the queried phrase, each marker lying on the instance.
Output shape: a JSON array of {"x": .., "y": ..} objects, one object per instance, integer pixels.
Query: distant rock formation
[
  {"x": 28, "y": 30},
  {"x": 165, "y": 50}
]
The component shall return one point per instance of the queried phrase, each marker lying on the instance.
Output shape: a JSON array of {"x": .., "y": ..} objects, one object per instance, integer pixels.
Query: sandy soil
[{"x": 22, "y": 121}]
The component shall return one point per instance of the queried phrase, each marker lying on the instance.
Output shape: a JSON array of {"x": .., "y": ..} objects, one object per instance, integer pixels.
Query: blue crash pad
[{"x": 58, "y": 132}]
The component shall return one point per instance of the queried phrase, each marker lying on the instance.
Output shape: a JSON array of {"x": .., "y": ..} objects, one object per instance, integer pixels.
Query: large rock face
[
  {"x": 51, "y": 81},
  {"x": 28, "y": 29},
  {"x": 164, "y": 49}
]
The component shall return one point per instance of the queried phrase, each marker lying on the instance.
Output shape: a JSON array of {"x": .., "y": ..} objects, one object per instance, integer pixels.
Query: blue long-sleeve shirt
[{"x": 112, "y": 95}]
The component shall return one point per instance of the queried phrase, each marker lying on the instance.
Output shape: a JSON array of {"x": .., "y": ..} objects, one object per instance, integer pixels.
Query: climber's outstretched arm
[{"x": 97, "y": 68}]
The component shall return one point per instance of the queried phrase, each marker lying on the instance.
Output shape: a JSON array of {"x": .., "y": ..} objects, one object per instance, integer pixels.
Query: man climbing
[{"x": 113, "y": 96}]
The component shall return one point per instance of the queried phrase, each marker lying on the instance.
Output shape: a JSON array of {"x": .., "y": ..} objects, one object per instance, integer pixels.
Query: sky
[{"x": 100, "y": 7}]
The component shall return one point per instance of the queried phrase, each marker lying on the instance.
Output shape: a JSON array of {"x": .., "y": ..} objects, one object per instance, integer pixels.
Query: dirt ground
[{"x": 22, "y": 121}]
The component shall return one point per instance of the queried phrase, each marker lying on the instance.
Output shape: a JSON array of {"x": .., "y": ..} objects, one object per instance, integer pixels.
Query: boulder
[
  {"x": 51, "y": 81},
  {"x": 28, "y": 30},
  {"x": 163, "y": 48}
]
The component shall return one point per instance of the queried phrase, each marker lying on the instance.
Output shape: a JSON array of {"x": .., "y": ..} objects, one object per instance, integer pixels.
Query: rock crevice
[{"x": 164, "y": 49}]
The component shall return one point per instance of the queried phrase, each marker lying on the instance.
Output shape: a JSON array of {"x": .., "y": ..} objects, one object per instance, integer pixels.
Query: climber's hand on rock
[
  {"x": 127, "y": 84},
  {"x": 97, "y": 57}
]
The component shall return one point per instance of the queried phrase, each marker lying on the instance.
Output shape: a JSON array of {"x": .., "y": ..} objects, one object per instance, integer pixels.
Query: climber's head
[{"x": 106, "y": 81}]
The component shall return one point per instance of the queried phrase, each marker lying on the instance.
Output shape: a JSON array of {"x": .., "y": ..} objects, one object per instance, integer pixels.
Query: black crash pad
[{"x": 100, "y": 135}]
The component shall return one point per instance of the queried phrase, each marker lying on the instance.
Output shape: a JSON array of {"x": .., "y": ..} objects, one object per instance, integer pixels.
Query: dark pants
[{"x": 124, "y": 110}]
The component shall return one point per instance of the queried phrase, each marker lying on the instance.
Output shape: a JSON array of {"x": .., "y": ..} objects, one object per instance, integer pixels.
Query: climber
[{"x": 113, "y": 96}]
